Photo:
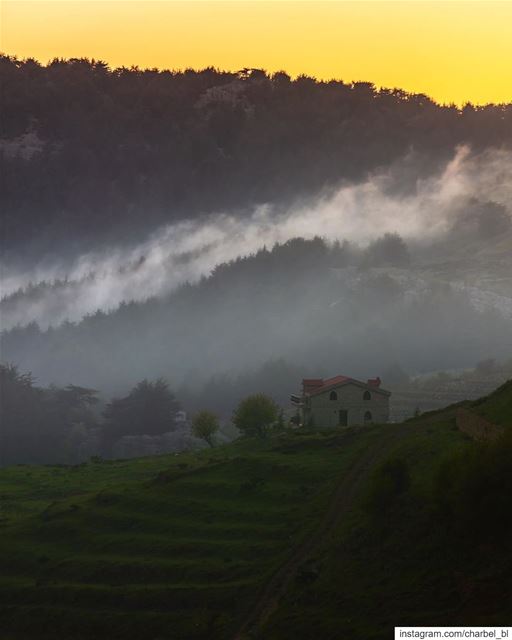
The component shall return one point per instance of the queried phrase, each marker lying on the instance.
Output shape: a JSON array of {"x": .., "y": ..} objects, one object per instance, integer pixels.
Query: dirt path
[{"x": 341, "y": 502}]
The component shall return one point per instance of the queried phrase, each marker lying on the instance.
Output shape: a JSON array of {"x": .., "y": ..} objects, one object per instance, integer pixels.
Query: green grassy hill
[
  {"x": 334, "y": 535},
  {"x": 434, "y": 549},
  {"x": 497, "y": 407}
]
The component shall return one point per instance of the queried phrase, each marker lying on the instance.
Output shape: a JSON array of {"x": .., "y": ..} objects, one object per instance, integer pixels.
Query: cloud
[{"x": 189, "y": 250}]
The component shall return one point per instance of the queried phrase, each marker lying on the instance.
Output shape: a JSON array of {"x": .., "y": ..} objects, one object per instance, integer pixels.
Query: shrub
[
  {"x": 205, "y": 425},
  {"x": 255, "y": 415}
]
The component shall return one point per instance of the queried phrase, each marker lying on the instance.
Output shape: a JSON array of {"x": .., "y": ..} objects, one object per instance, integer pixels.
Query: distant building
[
  {"x": 145, "y": 445},
  {"x": 180, "y": 417},
  {"x": 341, "y": 402}
]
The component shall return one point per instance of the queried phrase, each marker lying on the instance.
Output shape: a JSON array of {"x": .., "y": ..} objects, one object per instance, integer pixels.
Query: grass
[
  {"x": 180, "y": 546},
  {"x": 403, "y": 564},
  {"x": 497, "y": 407},
  {"x": 134, "y": 548}
]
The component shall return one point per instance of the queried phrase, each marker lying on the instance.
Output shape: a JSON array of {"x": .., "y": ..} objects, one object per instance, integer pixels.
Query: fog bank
[{"x": 425, "y": 211}]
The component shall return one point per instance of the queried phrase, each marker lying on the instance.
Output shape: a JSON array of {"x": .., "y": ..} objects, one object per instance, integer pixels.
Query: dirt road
[{"x": 342, "y": 501}]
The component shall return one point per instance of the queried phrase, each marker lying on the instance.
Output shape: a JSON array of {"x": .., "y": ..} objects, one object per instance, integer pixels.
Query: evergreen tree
[{"x": 149, "y": 408}]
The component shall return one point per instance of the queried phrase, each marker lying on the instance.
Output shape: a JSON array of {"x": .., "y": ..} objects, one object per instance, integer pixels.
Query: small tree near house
[
  {"x": 204, "y": 426},
  {"x": 255, "y": 415}
]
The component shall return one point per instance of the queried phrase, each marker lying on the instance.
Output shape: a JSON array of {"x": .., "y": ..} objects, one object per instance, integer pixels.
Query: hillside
[
  {"x": 339, "y": 534},
  {"x": 95, "y": 155},
  {"x": 288, "y": 302},
  {"x": 497, "y": 407}
]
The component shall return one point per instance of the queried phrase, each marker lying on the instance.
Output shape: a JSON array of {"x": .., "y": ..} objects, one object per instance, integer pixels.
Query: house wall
[{"x": 325, "y": 412}]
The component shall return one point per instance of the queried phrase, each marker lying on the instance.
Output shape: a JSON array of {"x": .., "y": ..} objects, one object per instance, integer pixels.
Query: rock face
[{"x": 144, "y": 445}]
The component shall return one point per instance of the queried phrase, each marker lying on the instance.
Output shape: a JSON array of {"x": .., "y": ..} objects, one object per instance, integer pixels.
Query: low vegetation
[
  {"x": 205, "y": 425},
  {"x": 255, "y": 415},
  {"x": 497, "y": 407}
]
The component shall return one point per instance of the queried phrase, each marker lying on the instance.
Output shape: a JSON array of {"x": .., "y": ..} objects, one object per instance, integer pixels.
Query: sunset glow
[{"x": 454, "y": 51}]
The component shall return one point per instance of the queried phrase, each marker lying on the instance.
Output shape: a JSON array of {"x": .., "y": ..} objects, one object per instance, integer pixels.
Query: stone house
[{"x": 341, "y": 402}]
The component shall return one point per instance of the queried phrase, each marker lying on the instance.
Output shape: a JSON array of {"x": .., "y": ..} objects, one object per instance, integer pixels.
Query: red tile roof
[
  {"x": 336, "y": 380},
  {"x": 312, "y": 386},
  {"x": 313, "y": 382}
]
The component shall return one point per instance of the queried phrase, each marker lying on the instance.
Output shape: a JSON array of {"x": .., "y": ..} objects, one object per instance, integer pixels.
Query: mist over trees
[
  {"x": 149, "y": 409},
  {"x": 71, "y": 424},
  {"x": 95, "y": 154},
  {"x": 311, "y": 305},
  {"x": 42, "y": 424},
  {"x": 106, "y": 161}
]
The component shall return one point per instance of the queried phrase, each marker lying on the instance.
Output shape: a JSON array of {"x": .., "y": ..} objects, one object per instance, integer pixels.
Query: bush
[
  {"x": 255, "y": 415},
  {"x": 204, "y": 426}
]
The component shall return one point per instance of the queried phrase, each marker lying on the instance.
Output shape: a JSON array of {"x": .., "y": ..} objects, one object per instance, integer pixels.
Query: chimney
[{"x": 374, "y": 382}]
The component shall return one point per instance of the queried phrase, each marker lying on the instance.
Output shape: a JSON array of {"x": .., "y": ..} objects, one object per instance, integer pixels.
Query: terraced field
[
  {"x": 269, "y": 538},
  {"x": 173, "y": 545}
]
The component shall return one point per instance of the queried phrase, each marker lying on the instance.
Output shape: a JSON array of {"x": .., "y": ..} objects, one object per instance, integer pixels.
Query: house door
[{"x": 343, "y": 418}]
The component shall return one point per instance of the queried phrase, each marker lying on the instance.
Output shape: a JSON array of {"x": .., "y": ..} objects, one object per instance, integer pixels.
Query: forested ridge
[
  {"x": 102, "y": 160},
  {"x": 94, "y": 153},
  {"x": 312, "y": 303}
]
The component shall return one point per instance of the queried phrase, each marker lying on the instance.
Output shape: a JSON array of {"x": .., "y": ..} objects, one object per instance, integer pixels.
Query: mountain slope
[
  {"x": 131, "y": 549},
  {"x": 435, "y": 551},
  {"x": 308, "y": 302},
  {"x": 102, "y": 154},
  {"x": 330, "y": 534},
  {"x": 497, "y": 407}
]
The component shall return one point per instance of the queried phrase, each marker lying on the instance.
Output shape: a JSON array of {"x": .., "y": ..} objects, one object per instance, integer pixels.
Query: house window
[
  {"x": 368, "y": 417},
  {"x": 333, "y": 395},
  {"x": 367, "y": 395}
]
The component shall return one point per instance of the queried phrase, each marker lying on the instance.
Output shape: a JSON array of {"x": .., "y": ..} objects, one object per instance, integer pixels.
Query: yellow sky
[{"x": 455, "y": 51}]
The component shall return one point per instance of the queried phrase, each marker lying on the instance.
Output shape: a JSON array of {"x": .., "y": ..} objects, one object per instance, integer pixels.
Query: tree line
[
  {"x": 60, "y": 425},
  {"x": 100, "y": 153},
  {"x": 310, "y": 303}
]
